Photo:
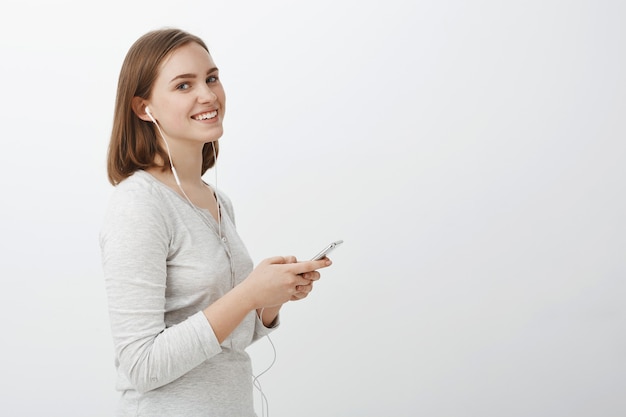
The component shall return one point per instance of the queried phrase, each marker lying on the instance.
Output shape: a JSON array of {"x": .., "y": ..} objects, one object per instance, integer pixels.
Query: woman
[{"x": 184, "y": 299}]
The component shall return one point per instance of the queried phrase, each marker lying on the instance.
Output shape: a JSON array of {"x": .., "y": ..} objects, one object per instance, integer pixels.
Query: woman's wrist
[{"x": 269, "y": 315}]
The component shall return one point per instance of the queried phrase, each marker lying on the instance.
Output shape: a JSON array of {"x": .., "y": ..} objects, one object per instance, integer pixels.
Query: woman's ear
[{"x": 139, "y": 105}]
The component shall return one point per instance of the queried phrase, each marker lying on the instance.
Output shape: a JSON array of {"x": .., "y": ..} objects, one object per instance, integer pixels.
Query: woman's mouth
[{"x": 205, "y": 116}]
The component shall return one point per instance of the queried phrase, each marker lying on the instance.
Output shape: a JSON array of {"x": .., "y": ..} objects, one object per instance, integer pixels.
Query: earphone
[
  {"x": 265, "y": 406},
  {"x": 169, "y": 154},
  {"x": 149, "y": 113},
  {"x": 256, "y": 382}
]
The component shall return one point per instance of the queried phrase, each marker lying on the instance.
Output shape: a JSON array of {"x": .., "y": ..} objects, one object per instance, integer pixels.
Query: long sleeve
[
  {"x": 135, "y": 242},
  {"x": 164, "y": 262}
]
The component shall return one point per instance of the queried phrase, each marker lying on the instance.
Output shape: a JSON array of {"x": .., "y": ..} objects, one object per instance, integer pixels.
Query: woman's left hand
[{"x": 303, "y": 290}]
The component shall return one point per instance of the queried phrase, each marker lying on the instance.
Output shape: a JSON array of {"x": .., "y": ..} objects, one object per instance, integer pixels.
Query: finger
[
  {"x": 307, "y": 266},
  {"x": 298, "y": 296},
  {"x": 307, "y": 279},
  {"x": 275, "y": 260},
  {"x": 290, "y": 259},
  {"x": 304, "y": 288},
  {"x": 311, "y": 276}
]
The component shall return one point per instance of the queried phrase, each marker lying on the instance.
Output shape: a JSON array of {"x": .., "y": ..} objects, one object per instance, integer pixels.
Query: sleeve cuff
[
  {"x": 206, "y": 335},
  {"x": 260, "y": 330}
]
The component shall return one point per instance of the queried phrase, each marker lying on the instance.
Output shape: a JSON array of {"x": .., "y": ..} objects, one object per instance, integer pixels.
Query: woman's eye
[
  {"x": 211, "y": 79},
  {"x": 183, "y": 86}
]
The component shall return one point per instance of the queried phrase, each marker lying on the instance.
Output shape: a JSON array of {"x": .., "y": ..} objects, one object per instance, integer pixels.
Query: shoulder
[
  {"x": 138, "y": 189},
  {"x": 138, "y": 200},
  {"x": 140, "y": 183}
]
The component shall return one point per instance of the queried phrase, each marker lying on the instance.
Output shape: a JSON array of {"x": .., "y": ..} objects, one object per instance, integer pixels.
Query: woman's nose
[{"x": 207, "y": 94}]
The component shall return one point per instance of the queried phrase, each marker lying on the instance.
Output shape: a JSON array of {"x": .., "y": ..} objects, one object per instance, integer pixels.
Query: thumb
[{"x": 274, "y": 260}]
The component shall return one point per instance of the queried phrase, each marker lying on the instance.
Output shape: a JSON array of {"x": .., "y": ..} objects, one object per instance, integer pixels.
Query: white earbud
[
  {"x": 150, "y": 114},
  {"x": 167, "y": 147}
]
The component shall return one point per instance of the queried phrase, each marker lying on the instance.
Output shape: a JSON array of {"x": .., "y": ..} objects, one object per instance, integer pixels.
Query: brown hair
[{"x": 134, "y": 144}]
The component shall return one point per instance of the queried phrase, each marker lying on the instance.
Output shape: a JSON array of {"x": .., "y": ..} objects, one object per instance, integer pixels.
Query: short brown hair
[{"x": 133, "y": 145}]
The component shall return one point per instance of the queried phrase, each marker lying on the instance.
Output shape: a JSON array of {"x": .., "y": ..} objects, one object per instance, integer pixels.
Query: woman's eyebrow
[{"x": 189, "y": 75}]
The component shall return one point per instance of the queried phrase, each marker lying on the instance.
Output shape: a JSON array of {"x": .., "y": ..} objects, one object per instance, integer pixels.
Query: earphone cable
[
  {"x": 180, "y": 186},
  {"x": 217, "y": 199},
  {"x": 255, "y": 379}
]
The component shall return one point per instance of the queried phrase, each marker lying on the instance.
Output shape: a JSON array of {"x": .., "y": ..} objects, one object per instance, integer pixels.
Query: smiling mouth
[{"x": 206, "y": 116}]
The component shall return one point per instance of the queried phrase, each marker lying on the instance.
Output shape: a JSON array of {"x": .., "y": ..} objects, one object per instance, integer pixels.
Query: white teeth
[{"x": 205, "y": 116}]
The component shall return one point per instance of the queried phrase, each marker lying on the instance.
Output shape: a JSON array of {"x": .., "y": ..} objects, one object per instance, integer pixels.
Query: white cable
[
  {"x": 217, "y": 199},
  {"x": 169, "y": 154},
  {"x": 255, "y": 379}
]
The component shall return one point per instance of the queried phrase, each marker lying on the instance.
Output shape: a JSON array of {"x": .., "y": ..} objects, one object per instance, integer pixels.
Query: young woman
[{"x": 184, "y": 299}]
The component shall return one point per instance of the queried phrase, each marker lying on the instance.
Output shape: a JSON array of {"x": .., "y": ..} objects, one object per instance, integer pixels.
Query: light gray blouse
[{"x": 163, "y": 264}]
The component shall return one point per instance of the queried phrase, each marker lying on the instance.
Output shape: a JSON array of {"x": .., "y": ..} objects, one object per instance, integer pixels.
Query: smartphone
[{"x": 328, "y": 249}]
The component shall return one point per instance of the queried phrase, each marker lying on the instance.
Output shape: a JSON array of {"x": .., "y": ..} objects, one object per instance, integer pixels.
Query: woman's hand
[
  {"x": 271, "y": 284},
  {"x": 280, "y": 279}
]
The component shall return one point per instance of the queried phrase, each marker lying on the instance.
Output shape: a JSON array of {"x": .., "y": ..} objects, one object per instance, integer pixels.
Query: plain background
[{"x": 470, "y": 153}]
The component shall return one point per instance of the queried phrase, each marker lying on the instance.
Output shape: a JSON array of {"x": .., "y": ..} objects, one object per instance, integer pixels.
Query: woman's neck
[{"x": 187, "y": 164}]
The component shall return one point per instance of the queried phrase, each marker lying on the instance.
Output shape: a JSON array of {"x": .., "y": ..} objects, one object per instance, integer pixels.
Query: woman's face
[{"x": 188, "y": 99}]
